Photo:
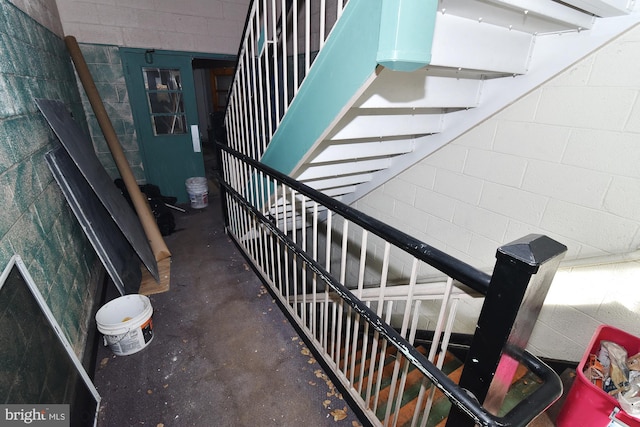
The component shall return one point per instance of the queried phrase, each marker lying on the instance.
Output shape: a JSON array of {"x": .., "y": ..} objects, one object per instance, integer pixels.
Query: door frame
[{"x": 136, "y": 101}]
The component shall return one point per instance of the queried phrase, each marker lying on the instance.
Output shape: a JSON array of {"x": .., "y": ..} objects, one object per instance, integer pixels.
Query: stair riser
[
  {"x": 462, "y": 43},
  {"x": 384, "y": 125},
  {"x": 421, "y": 90},
  {"x": 378, "y": 148}
]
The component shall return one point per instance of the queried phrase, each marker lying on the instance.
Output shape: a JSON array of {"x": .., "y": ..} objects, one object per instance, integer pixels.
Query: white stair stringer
[{"x": 477, "y": 69}]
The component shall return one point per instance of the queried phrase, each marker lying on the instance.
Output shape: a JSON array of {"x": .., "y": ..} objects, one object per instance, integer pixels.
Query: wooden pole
[{"x": 140, "y": 203}]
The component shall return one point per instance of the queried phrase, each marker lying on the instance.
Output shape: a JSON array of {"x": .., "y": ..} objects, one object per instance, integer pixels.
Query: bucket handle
[{"x": 104, "y": 338}]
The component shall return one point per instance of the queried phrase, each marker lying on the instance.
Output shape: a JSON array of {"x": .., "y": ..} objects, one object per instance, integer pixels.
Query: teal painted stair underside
[
  {"x": 362, "y": 38},
  {"x": 341, "y": 68}
]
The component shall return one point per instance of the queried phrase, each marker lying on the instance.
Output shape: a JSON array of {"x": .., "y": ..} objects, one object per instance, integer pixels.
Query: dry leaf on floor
[
  {"x": 160, "y": 425},
  {"x": 294, "y": 338},
  {"x": 311, "y": 361},
  {"x": 104, "y": 362},
  {"x": 326, "y": 403},
  {"x": 312, "y": 383},
  {"x": 149, "y": 391},
  {"x": 355, "y": 424},
  {"x": 339, "y": 414},
  {"x": 305, "y": 351}
]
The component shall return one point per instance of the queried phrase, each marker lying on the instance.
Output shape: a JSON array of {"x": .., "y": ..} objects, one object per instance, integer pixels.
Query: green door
[{"x": 162, "y": 97}]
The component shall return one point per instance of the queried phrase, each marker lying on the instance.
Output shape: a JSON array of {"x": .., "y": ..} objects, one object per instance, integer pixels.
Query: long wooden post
[{"x": 158, "y": 246}]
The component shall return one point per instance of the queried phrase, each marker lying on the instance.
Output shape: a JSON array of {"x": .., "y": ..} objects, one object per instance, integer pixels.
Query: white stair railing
[
  {"x": 361, "y": 261},
  {"x": 281, "y": 40},
  {"x": 408, "y": 308},
  {"x": 352, "y": 285}
]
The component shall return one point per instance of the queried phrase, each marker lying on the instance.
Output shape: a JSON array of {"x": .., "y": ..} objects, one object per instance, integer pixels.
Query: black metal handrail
[
  {"x": 464, "y": 273},
  {"x": 462, "y": 399}
]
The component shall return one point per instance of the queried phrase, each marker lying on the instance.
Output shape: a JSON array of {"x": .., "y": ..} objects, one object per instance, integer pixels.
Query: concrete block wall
[
  {"x": 102, "y": 26},
  {"x": 35, "y": 220},
  {"x": 213, "y": 26},
  {"x": 45, "y": 12},
  {"x": 561, "y": 161},
  {"x": 106, "y": 70}
]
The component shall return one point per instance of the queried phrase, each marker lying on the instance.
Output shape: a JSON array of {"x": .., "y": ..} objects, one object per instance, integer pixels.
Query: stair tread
[
  {"x": 407, "y": 410},
  {"x": 523, "y": 383},
  {"x": 412, "y": 388},
  {"x": 413, "y": 376}
]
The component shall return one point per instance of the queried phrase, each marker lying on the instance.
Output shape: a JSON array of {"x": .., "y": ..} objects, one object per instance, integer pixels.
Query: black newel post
[{"x": 521, "y": 278}]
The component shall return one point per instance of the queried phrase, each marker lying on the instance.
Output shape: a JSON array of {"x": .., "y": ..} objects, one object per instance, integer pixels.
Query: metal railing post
[
  {"x": 521, "y": 279},
  {"x": 223, "y": 192}
]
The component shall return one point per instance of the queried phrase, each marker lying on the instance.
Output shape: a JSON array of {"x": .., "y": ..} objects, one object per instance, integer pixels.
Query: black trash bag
[
  {"x": 153, "y": 192},
  {"x": 162, "y": 214}
]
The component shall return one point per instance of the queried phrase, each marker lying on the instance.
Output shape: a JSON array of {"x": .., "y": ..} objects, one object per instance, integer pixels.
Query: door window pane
[
  {"x": 169, "y": 125},
  {"x": 164, "y": 95}
]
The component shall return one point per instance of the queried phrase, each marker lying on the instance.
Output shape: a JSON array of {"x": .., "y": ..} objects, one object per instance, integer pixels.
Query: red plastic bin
[{"x": 586, "y": 404}]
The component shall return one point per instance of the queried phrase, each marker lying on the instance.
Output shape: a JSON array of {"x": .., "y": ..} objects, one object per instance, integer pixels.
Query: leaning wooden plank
[{"x": 148, "y": 286}]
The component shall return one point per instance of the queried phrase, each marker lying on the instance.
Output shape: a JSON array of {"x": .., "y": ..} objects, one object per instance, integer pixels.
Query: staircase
[
  {"x": 310, "y": 101},
  {"x": 345, "y": 125},
  {"x": 333, "y": 272}
]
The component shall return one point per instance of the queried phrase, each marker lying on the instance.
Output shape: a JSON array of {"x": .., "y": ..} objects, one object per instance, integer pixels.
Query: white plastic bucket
[
  {"x": 126, "y": 324},
  {"x": 198, "y": 191}
]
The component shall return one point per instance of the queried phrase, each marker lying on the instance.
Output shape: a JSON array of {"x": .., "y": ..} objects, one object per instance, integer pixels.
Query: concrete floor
[{"x": 223, "y": 354}]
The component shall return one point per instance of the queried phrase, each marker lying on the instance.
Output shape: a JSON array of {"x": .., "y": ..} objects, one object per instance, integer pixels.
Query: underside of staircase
[{"x": 485, "y": 54}]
